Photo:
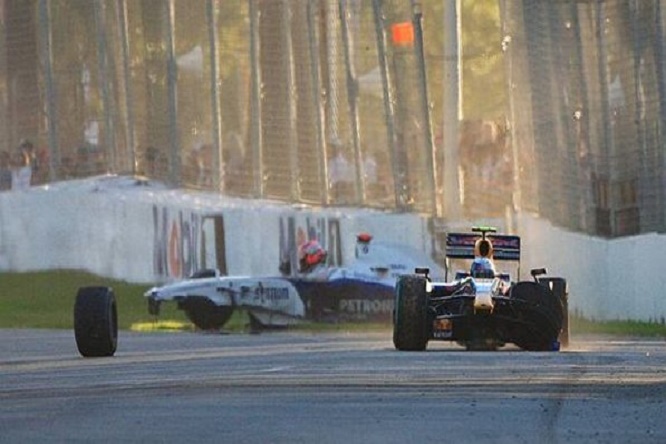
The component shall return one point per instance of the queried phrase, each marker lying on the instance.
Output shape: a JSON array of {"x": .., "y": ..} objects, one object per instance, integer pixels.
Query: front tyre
[
  {"x": 410, "y": 318},
  {"x": 204, "y": 313},
  {"x": 96, "y": 322}
]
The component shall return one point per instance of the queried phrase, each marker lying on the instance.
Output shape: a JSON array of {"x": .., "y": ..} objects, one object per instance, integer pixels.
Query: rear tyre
[
  {"x": 410, "y": 317},
  {"x": 559, "y": 288},
  {"x": 96, "y": 322},
  {"x": 541, "y": 312}
]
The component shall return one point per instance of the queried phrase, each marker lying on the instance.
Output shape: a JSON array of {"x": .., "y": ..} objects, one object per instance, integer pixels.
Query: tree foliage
[{"x": 483, "y": 77}]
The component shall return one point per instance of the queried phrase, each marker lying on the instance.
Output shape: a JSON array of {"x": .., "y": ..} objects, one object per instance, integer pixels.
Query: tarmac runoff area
[{"x": 290, "y": 387}]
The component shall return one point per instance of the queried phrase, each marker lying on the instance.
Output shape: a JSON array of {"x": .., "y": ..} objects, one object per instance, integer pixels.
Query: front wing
[{"x": 511, "y": 321}]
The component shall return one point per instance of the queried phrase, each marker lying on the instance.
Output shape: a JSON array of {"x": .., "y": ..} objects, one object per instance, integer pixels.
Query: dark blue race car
[{"x": 481, "y": 309}]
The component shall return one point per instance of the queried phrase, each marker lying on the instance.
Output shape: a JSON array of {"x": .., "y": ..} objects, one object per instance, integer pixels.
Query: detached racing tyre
[
  {"x": 96, "y": 322},
  {"x": 410, "y": 318}
]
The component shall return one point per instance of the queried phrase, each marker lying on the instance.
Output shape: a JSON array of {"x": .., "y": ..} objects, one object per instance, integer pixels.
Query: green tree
[{"x": 484, "y": 81}]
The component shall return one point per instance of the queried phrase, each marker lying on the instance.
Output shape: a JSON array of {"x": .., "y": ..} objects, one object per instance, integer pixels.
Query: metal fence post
[
  {"x": 429, "y": 147},
  {"x": 292, "y": 115},
  {"x": 660, "y": 55},
  {"x": 99, "y": 7},
  {"x": 218, "y": 168},
  {"x": 583, "y": 127},
  {"x": 639, "y": 115},
  {"x": 315, "y": 61},
  {"x": 51, "y": 93},
  {"x": 255, "y": 105},
  {"x": 122, "y": 19},
  {"x": 332, "y": 90},
  {"x": 452, "y": 109},
  {"x": 508, "y": 51},
  {"x": 608, "y": 139},
  {"x": 352, "y": 99},
  {"x": 389, "y": 110},
  {"x": 172, "y": 87}
]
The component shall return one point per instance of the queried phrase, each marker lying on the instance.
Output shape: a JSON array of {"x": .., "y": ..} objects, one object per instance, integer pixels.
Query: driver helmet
[
  {"x": 311, "y": 254},
  {"x": 483, "y": 268}
]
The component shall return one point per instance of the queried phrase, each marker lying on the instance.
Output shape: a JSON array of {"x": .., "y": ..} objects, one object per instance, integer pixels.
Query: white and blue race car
[{"x": 360, "y": 291}]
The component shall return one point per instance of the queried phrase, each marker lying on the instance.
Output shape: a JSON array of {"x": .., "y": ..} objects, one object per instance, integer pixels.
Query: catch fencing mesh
[
  {"x": 588, "y": 100},
  {"x": 340, "y": 102},
  {"x": 277, "y": 99}
]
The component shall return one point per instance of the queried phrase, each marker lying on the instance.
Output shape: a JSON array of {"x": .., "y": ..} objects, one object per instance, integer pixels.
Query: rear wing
[{"x": 461, "y": 246}]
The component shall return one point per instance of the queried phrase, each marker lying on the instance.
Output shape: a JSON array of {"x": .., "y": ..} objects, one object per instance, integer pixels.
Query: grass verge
[
  {"x": 579, "y": 324},
  {"x": 45, "y": 299}
]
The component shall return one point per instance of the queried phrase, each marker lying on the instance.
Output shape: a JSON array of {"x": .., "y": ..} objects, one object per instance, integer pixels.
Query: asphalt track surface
[{"x": 326, "y": 388}]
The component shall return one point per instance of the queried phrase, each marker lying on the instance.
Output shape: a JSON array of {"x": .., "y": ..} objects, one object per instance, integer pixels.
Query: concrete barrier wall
[
  {"x": 608, "y": 279},
  {"x": 147, "y": 234},
  {"x": 76, "y": 227}
]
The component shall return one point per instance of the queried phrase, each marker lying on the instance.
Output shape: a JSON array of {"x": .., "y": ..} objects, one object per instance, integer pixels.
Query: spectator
[
  {"x": 150, "y": 162},
  {"x": 199, "y": 166},
  {"x": 162, "y": 166},
  {"x": 206, "y": 165},
  {"x": 38, "y": 159},
  {"x": 341, "y": 175},
  {"x": 370, "y": 177},
  {"x": 40, "y": 167},
  {"x": 28, "y": 150},
  {"x": 82, "y": 162},
  {"x": 89, "y": 161},
  {"x": 369, "y": 169},
  {"x": 236, "y": 166},
  {"x": 192, "y": 167},
  {"x": 5, "y": 171},
  {"x": 67, "y": 168},
  {"x": 21, "y": 171},
  {"x": 376, "y": 177},
  {"x": 155, "y": 164}
]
